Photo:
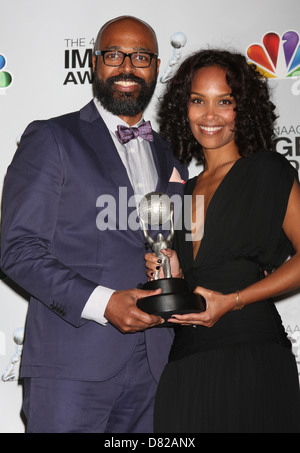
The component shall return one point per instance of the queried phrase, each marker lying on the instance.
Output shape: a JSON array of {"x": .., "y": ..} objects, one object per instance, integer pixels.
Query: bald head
[{"x": 127, "y": 22}]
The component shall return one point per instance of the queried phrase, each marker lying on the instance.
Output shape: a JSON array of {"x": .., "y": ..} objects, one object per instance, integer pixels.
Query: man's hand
[{"x": 122, "y": 312}]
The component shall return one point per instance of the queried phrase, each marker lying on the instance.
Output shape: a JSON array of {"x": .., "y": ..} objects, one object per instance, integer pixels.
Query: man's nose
[{"x": 127, "y": 66}]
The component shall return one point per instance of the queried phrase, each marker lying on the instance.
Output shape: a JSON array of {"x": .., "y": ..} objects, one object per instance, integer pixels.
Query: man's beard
[{"x": 124, "y": 104}]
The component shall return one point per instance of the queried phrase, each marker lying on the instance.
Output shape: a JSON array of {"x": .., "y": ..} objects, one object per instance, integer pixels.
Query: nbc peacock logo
[
  {"x": 5, "y": 76},
  {"x": 277, "y": 56}
]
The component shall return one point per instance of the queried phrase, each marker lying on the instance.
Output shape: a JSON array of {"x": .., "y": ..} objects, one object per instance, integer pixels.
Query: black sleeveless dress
[{"x": 240, "y": 375}]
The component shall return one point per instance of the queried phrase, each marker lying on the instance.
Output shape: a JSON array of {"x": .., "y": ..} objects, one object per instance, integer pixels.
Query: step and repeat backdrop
[{"x": 45, "y": 60}]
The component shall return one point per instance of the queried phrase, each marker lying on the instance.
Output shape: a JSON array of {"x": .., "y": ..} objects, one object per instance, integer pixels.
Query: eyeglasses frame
[{"x": 102, "y": 53}]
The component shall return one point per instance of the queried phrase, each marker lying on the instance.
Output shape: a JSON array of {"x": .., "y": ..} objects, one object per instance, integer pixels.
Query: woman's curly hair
[{"x": 255, "y": 117}]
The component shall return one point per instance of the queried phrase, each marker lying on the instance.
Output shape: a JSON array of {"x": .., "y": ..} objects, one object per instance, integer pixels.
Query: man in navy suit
[{"x": 91, "y": 358}]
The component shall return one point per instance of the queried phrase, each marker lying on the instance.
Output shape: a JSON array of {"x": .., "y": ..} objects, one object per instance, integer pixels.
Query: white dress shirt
[{"x": 137, "y": 158}]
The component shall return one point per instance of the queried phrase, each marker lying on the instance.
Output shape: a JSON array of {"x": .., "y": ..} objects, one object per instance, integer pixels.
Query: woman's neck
[{"x": 216, "y": 158}]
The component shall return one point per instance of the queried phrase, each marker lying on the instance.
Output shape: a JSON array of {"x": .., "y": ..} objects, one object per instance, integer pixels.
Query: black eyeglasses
[{"x": 116, "y": 58}]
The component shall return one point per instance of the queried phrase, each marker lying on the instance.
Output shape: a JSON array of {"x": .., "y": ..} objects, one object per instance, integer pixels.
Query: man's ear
[
  {"x": 158, "y": 65},
  {"x": 94, "y": 61}
]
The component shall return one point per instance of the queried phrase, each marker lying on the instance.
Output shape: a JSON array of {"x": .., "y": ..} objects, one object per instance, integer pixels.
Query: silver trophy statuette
[
  {"x": 11, "y": 374},
  {"x": 178, "y": 41},
  {"x": 156, "y": 209}
]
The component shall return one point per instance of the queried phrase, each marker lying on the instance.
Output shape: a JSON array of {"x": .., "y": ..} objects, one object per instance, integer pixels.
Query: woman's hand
[
  {"x": 153, "y": 264},
  {"x": 217, "y": 305}
]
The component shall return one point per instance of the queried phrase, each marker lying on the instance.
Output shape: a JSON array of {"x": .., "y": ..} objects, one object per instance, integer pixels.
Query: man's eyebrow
[
  {"x": 135, "y": 49},
  {"x": 142, "y": 49}
]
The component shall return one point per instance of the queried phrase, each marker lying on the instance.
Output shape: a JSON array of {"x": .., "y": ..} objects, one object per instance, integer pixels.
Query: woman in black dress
[{"x": 231, "y": 368}]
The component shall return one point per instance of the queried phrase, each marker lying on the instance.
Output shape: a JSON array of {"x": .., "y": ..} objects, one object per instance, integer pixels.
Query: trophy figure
[
  {"x": 156, "y": 209},
  {"x": 11, "y": 374},
  {"x": 178, "y": 41}
]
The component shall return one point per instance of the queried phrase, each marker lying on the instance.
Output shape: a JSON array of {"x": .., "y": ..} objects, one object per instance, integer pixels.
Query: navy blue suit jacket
[{"x": 52, "y": 248}]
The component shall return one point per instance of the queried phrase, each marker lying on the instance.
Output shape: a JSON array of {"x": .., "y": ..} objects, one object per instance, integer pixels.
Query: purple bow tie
[{"x": 125, "y": 134}]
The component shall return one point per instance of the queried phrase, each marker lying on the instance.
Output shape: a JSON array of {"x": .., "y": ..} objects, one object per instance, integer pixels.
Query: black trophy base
[{"x": 174, "y": 299}]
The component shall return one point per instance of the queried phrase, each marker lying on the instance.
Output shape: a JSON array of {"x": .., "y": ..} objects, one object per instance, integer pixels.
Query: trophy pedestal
[{"x": 174, "y": 298}]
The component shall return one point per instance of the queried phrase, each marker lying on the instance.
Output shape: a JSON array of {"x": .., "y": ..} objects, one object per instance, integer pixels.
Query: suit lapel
[{"x": 97, "y": 134}]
